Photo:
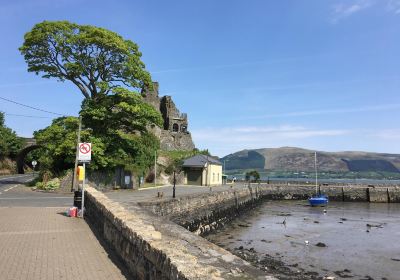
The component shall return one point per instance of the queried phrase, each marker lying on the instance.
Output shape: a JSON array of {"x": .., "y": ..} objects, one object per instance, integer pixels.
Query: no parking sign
[{"x": 85, "y": 152}]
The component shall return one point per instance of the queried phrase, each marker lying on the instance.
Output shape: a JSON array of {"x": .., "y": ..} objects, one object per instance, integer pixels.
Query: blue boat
[{"x": 320, "y": 200}]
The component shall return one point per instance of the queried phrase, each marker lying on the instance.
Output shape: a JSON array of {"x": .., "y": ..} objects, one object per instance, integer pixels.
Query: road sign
[
  {"x": 85, "y": 152},
  {"x": 34, "y": 163}
]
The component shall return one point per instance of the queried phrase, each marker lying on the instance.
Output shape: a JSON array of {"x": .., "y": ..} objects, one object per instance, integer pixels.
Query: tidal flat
[{"x": 292, "y": 240}]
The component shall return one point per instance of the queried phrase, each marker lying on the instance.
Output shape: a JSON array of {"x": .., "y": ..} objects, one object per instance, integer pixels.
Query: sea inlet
[{"x": 291, "y": 240}]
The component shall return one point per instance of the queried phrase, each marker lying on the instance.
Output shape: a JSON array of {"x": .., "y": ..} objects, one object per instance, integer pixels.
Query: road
[
  {"x": 38, "y": 241},
  {"x": 14, "y": 194}
]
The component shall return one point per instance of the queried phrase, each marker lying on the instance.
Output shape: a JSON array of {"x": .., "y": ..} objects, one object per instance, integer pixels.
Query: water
[
  {"x": 362, "y": 239},
  {"x": 327, "y": 181}
]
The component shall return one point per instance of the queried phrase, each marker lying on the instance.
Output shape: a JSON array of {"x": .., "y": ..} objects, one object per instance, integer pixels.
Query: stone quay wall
[
  {"x": 162, "y": 239},
  {"x": 206, "y": 212},
  {"x": 153, "y": 247}
]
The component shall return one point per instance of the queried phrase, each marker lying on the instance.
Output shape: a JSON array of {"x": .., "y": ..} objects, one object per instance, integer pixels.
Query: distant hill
[{"x": 297, "y": 159}]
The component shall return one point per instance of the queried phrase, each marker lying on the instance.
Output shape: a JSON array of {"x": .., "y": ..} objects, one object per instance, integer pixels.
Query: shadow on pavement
[
  {"x": 111, "y": 253},
  {"x": 12, "y": 182}
]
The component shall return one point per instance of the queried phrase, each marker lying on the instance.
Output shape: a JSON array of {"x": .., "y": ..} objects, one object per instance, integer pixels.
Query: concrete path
[{"x": 42, "y": 243}]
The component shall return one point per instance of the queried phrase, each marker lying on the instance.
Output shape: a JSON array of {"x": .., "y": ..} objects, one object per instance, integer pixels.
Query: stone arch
[
  {"x": 21, "y": 156},
  {"x": 175, "y": 127}
]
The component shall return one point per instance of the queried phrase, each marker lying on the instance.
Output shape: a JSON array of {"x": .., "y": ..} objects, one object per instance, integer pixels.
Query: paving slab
[{"x": 42, "y": 243}]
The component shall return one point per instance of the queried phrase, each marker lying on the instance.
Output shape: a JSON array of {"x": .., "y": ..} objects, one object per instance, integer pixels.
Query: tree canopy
[
  {"x": 254, "y": 175},
  {"x": 96, "y": 60},
  {"x": 10, "y": 143},
  {"x": 115, "y": 125},
  {"x": 121, "y": 111},
  {"x": 108, "y": 71}
]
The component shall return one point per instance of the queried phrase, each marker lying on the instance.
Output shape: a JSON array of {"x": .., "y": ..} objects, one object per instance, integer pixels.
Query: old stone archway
[{"x": 21, "y": 156}]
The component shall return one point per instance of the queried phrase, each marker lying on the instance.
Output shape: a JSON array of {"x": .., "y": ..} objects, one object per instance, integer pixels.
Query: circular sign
[
  {"x": 84, "y": 148},
  {"x": 34, "y": 162}
]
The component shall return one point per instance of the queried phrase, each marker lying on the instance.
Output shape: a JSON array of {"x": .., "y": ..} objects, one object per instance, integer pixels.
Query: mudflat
[{"x": 295, "y": 241}]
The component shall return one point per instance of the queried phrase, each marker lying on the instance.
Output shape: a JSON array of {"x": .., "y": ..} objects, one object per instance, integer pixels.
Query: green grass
[{"x": 149, "y": 185}]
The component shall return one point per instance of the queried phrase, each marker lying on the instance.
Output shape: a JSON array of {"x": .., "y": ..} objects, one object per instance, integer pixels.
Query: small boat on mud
[{"x": 318, "y": 199}]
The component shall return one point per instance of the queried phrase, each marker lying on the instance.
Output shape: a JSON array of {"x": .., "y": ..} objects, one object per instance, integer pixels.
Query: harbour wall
[
  {"x": 206, "y": 212},
  {"x": 153, "y": 247},
  {"x": 161, "y": 238}
]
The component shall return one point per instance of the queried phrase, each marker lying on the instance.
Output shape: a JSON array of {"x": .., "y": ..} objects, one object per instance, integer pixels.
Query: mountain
[{"x": 298, "y": 159}]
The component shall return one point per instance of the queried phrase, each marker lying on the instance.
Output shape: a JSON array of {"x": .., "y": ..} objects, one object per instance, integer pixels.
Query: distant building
[
  {"x": 174, "y": 134},
  {"x": 202, "y": 170}
]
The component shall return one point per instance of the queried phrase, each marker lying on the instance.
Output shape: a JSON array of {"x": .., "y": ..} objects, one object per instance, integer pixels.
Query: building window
[
  {"x": 218, "y": 177},
  {"x": 175, "y": 127},
  {"x": 213, "y": 177},
  {"x": 183, "y": 128}
]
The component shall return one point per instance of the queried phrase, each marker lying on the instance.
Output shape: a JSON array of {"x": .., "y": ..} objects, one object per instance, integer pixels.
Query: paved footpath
[{"x": 42, "y": 243}]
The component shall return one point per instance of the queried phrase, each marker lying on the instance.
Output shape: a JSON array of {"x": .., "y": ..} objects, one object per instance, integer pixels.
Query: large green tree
[
  {"x": 96, "y": 60},
  {"x": 108, "y": 71}
]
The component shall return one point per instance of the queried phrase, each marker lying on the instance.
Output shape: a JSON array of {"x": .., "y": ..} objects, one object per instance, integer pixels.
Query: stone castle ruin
[{"x": 174, "y": 134}]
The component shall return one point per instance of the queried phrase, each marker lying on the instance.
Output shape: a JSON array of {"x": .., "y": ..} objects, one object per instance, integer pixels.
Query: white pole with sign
[
  {"x": 34, "y": 162},
  {"x": 84, "y": 156}
]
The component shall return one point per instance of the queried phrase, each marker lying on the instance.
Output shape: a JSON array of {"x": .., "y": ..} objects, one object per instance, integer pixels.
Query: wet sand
[{"x": 295, "y": 241}]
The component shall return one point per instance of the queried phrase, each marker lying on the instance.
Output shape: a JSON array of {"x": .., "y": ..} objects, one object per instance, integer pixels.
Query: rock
[{"x": 320, "y": 244}]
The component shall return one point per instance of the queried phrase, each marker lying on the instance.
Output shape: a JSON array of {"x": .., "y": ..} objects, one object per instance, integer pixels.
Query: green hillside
[{"x": 291, "y": 160}]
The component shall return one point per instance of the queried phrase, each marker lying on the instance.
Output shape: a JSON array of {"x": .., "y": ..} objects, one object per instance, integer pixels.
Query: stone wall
[
  {"x": 170, "y": 141},
  {"x": 206, "y": 212},
  {"x": 151, "y": 243},
  {"x": 155, "y": 248}
]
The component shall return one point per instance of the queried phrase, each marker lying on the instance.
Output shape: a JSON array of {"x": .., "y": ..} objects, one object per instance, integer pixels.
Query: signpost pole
[
  {"x": 85, "y": 156},
  {"x": 34, "y": 162},
  {"x": 83, "y": 189},
  {"x": 76, "y": 156}
]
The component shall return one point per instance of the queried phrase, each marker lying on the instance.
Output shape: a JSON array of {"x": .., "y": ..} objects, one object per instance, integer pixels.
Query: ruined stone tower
[{"x": 174, "y": 134}]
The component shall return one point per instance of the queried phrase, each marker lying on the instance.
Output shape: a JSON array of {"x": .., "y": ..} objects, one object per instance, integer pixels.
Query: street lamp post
[{"x": 173, "y": 188}]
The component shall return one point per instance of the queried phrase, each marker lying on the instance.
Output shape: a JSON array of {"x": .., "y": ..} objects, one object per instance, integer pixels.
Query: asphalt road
[{"x": 13, "y": 193}]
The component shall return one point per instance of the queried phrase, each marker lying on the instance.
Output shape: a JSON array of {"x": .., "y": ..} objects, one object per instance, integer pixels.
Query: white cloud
[
  {"x": 231, "y": 139},
  {"x": 355, "y": 109},
  {"x": 393, "y": 6},
  {"x": 351, "y": 7},
  {"x": 341, "y": 11},
  {"x": 389, "y": 134}
]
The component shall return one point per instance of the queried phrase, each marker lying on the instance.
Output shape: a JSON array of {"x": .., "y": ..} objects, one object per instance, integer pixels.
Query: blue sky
[{"x": 318, "y": 74}]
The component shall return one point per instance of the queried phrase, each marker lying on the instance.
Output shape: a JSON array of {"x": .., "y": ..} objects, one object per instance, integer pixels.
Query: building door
[{"x": 194, "y": 177}]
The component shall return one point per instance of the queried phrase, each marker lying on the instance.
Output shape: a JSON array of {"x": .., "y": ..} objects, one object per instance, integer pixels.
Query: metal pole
[
  {"x": 173, "y": 189},
  {"x": 316, "y": 173},
  {"x": 76, "y": 156},
  {"x": 155, "y": 168},
  {"x": 83, "y": 189}
]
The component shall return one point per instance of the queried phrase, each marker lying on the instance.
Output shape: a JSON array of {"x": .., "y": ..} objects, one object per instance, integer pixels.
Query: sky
[{"x": 316, "y": 74}]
